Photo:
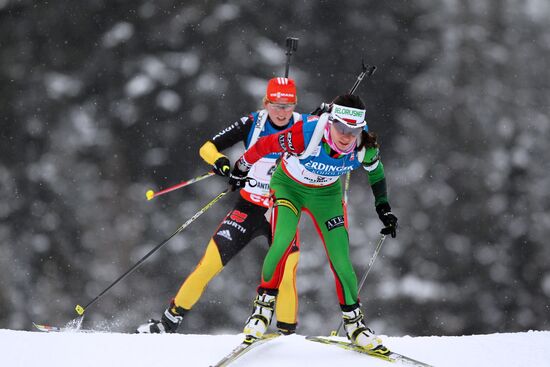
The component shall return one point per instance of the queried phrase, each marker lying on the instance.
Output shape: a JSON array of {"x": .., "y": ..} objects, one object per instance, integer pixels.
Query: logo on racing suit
[
  {"x": 282, "y": 142},
  {"x": 225, "y": 233},
  {"x": 235, "y": 225},
  {"x": 238, "y": 216},
  {"x": 327, "y": 169},
  {"x": 335, "y": 222},
  {"x": 226, "y": 130},
  {"x": 289, "y": 142}
]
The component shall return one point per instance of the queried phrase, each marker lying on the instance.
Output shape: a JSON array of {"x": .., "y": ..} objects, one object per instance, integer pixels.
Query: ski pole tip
[
  {"x": 149, "y": 194},
  {"x": 79, "y": 310}
]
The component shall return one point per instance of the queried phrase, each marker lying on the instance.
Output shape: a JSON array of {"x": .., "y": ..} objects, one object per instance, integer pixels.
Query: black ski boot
[{"x": 169, "y": 322}]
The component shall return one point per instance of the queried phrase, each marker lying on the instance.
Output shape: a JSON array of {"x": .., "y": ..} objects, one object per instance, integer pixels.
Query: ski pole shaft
[
  {"x": 150, "y": 194},
  {"x": 345, "y": 201},
  {"x": 371, "y": 262},
  {"x": 368, "y": 71},
  {"x": 365, "y": 71},
  {"x": 346, "y": 187},
  {"x": 364, "y": 278},
  {"x": 81, "y": 309}
]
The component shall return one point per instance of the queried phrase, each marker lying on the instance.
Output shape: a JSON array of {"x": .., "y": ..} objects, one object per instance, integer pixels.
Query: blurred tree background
[{"x": 101, "y": 100}]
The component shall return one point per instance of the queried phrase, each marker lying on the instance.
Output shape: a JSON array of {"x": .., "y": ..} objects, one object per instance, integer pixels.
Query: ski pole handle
[
  {"x": 365, "y": 71},
  {"x": 291, "y": 45},
  {"x": 150, "y": 194}
]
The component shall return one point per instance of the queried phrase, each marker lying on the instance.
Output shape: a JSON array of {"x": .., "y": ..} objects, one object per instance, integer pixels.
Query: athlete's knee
[
  {"x": 211, "y": 261},
  {"x": 289, "y": 275}
]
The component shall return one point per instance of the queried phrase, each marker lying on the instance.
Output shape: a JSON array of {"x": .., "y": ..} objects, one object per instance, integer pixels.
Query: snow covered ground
[{"x": 70, "y": 349}]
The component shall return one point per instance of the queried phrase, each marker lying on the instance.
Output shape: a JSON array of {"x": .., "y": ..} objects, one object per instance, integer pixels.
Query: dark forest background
[{"x": 101, "y": 100}]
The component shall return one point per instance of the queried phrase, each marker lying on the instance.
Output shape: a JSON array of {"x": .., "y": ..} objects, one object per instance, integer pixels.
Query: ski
[
  {"x": 242, "y": 349},
  {"x": 57, "y": 329},
  {"x": 390, "y": 356}
]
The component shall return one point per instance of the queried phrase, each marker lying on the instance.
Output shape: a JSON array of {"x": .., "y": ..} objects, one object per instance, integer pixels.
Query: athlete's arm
[
  {"x": 377, "y": 179},
  {"x": 231, "y": 135},
  {"x": 290, "y": 141}
]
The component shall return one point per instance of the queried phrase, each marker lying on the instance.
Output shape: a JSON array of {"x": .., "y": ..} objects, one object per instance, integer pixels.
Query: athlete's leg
[
  {"x": 287, "y": 300},
  {"x": 285, "y": 217},
  {"x": 234, "y": 233},
  {"x": 194, "y": 285},
  {"x": 327, "y": 213}
]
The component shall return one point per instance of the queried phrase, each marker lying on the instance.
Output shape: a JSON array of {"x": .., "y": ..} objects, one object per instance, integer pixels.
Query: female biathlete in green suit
[{"x": 317, "y": 152}]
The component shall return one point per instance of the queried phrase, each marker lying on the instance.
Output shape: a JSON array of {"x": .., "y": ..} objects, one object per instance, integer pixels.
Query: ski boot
[
  {"x": 358, "y": 333},
  {"x": 257, "y": 323},
  {"x": 285, "y": 328},
  {"x": 169, "y": 322}
]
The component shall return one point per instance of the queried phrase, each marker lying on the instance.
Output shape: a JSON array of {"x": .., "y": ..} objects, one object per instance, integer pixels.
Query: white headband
[{"x": 353, "y": 117}]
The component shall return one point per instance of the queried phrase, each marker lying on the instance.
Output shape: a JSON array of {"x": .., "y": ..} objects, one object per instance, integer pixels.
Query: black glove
[
  {"x": 222, "y": 167},
  {"x": 387, "y": 217},
  {"x": 238, "y": 177},
  {"x": 324, "y": 107}
]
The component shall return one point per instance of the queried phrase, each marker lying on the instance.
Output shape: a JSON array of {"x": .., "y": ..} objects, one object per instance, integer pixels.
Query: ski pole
[
  {"x": 150, "y": 194},
  {"x": 369, "y": 267},
  {"x": 365, "y": 71},
  {"x": 368, "y": 71},
  {"x": 291, "y": 45},
  {"x": 81, "y": 309},
  {"x": 345, "y": 203}
]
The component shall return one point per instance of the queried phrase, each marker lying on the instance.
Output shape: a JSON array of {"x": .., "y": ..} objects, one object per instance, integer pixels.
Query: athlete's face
[
  {"x": 279, "y": 113},
  {"x": 343, "y": 140}
]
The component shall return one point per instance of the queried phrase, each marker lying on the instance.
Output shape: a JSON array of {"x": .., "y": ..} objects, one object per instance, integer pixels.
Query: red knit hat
[{"x": 281, "y": 90}]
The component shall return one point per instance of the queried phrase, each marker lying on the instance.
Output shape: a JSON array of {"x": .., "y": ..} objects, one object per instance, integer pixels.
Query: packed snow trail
[{"x": 79, "y": 349}]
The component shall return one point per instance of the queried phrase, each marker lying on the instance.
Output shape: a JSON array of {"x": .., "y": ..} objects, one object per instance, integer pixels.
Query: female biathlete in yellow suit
[{"x": 247, "y": 219}]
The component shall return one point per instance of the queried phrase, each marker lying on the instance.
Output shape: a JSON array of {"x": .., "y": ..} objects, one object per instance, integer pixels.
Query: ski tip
[{"x": 46, "y": 328}]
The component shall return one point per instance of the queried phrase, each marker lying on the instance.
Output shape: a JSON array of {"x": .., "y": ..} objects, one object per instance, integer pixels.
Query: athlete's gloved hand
[
  {"x": 222, "y": 167},
  {"x": 389, "y": 220},
  {"x": 238, "y": 177},
  {"x": 324, "y": 107}
]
